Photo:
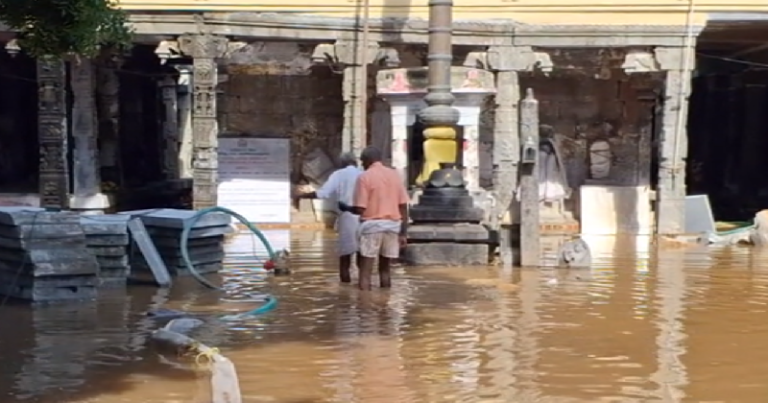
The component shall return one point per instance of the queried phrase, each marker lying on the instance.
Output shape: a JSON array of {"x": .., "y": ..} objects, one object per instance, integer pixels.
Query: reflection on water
[{"x": 646, "y": 324}]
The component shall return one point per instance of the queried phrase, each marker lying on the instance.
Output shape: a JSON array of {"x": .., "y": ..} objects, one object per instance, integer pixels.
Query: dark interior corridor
[{"x": 728, "y": 120}]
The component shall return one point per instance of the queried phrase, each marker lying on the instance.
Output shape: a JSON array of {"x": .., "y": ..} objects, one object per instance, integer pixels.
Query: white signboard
[{"x": 254, "y": 178}]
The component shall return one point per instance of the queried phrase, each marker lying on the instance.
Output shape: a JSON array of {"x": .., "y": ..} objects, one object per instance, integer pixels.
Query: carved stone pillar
[
  {"x": 52, "y": 133},
  {"x": 673, "y": 148},
  {"x": 507, "y": 61},
  {"x": 170, "y": 127},
  {"x": 108, "y": 115},
  {"x": 86, "y": 170},
  {"x": 184, "y": 105},
  {"x": 204, "y": 49},
  {"x": 355, "y": 94},
  {"x": 506, "y": 155}
]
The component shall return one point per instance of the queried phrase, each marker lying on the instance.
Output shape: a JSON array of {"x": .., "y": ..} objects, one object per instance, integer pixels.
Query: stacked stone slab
[
  {"x": 44, "y": 256},
  {"x": 107, "y": 239},
  {"x": 205, "y": 245},
  {"x": 446, "y": 227}
]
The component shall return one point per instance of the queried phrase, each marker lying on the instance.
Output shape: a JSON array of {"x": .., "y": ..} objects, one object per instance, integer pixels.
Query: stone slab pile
[
  {"x": 107, "y": 239},
  {"x": 44, "y": 256},
  {"x": 165, "y": 226}
]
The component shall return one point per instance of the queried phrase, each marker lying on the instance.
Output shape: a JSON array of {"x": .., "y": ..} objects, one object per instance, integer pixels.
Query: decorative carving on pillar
[
  {"x": 510, "y": 58},
  {"x": 638, "y": 61},
  {"x": 167, "y": 50},
  {"x": 343, "y": 56},
  {"x": 52, "y": 133},
  {"x": 204, "y": 49}
]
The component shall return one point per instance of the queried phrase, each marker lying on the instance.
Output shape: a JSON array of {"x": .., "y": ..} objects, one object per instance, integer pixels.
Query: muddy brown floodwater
[{"x": 668, "y": 325}]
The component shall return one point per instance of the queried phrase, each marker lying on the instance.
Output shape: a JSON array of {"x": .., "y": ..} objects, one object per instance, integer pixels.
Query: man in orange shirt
[{"x": 381, "y": 200}]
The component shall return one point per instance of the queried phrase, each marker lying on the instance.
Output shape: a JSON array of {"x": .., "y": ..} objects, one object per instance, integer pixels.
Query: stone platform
[
  {"x": 44, "y": 256},
  {"x": 446, "y": 229},
  {"x": 206, "y": 241},
  {"x": 445, "y": 244}
]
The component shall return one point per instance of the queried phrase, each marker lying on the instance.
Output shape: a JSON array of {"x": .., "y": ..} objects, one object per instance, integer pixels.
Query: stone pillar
[
  {"x": 346, "y": 53},
  {"x": 108, "y": 115},
  {"x": 204, "y": 49},
  {"x": 529, "y": 183},
  {"x": 673, "y": 142},
  {"x": 381, "y": 128},
  {"x": 85, "y": 154},
  {"x": 52, "y": 133},
  {"x": 508, "y": 61},
  {"x": 184, "y": 119},
  {"x": 170, "y": 127},
  {"x": 355, "y": 94},
  {"x": 506, "y": 156}
]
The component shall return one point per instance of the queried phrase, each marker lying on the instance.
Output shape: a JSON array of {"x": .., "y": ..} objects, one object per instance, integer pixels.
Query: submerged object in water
[
  {"x": 183, "y": 325},
  {"x": 163, "y": 313},
  {"x": 279, "y": 264},
  {"x": 575, "y": 253}
]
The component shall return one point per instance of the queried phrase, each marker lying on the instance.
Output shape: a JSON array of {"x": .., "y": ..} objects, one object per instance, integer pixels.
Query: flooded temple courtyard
[{"x": 663, "y": 325}]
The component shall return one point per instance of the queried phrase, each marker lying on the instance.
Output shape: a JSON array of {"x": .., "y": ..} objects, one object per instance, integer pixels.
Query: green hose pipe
[{"x": 190, "y": 223}]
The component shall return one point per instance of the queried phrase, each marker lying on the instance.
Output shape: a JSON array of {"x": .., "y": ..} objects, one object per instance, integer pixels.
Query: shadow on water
[{"x": 658, "y": 323}]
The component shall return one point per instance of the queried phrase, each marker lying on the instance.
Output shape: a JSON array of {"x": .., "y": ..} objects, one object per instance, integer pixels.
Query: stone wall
[
  {"x": 579, "y": 110},
  {"x": 271, "y": 90},
  {"x": 306, "y": 108}
]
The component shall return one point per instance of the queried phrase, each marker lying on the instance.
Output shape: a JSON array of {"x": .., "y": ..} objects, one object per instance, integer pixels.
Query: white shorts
[{"x": 385, "y": 244}]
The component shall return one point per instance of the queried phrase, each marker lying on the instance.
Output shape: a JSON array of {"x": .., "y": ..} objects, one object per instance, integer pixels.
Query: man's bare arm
[
  {"x": 361, "y": 197},
  {"x": 404, "y": 224}
]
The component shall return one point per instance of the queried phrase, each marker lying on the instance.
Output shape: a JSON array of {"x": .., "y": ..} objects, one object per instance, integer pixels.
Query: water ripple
[{"x": 645, "y": 324}]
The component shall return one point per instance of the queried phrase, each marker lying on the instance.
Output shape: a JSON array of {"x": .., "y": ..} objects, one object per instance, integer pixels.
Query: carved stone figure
[
  {"x": 575, "y": 253},
  {"x": 600, "y": 160}
]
